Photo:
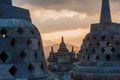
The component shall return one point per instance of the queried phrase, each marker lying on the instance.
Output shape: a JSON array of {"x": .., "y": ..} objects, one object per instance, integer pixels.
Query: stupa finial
[
  {"x": 105, "y": 12},
  {"x": 52, "y": 49},
  {"x": 62, "y": 39}
]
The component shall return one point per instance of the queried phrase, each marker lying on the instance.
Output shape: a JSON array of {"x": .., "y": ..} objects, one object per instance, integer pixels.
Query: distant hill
[{"x": 56, "y": 46}]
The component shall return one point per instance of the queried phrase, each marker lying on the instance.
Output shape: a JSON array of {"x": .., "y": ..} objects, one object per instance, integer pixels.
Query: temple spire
[
  {"x": 52, "y": 49},
  {"x": 105, "y": 12},
  {"x": 72, "y": 49},
  {"x": 62, "y": 47},
  {"x": 62, "y": 39}
]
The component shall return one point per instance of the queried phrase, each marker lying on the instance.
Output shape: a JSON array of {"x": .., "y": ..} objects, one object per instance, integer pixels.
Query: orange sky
[{"x": 73, "y": 37}]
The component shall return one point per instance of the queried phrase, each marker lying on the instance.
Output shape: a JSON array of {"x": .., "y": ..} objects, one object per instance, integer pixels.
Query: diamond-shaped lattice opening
[
  {"x": 29, "y": 42},
  {"x": 108, "y": 44},
  {"x": 3, "y": 56},
  {"x": 23, "y": 54},
  {"x": 13, "y": 70},
  {"x": 112, "y": 37},
  {"x": 84, "y": 44},
  {"x": 113, "y": 49},
  {"x": 97, "y": 57},
  {"x": 88, "y": 57},
  {"x": 103, "y": 50},
  {"x": 103, "y": 37},
  {"x": 4, "y": 33},
  {"x": 118, "y": 56},
  {"x": 20, "y": 31},
  {"x": 42, "y": 66},
  {"x": 118, "y": 43},
  {"x": 108, "y": 57},
  {"x": 94, "y": 37},
  {"x": 93, "y": 50},
  {"x": 90, "y": 44},
  {"x": 32, "y": 31},
  {"x": 98, "y": 44},
  {"x": 36, "y": 54},
  {"x": 30, "y": 68},
  {"x": 13, "y": 42},
  {"x": 83, "y": 57},
  {"x": 86, "y": 50},
  {"x": 39, "y": 43}
]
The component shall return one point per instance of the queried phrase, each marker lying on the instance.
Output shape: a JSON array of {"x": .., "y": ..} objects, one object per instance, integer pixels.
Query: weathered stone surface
[
  {"x": 7, "y": 11},
  {"x": 18, "y": 54},
  {"x": 100, "y": 52},
  {"x": 9, "y": 2},
  {"x": 21, "y": 49}
]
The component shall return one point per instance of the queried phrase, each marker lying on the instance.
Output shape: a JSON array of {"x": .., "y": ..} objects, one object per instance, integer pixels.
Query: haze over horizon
[{"x": 68, "y": 18}]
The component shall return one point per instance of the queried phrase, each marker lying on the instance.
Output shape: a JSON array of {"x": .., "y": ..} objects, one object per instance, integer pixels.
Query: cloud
[
  {"x": 60, "y": 15},
  {"x": 53, "y": 21},
  {"x": 85, "y": 6},
  {"x": 55, "y": 37},
  {"x": 90, "y": 7}
]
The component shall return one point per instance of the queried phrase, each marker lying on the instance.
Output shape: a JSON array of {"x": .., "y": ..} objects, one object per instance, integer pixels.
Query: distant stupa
[
  {"x": 99, "y": 56},
  {"x": 61, "y": 62},
  {"x": 21, "y": 50}
]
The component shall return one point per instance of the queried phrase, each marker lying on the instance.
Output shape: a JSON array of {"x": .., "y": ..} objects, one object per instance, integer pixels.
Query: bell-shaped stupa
[
  {"x": 99, "y": 57},
  {"x": 21, "y": 50}
]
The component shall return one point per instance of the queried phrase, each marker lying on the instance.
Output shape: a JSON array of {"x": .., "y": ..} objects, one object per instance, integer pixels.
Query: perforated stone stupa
[
  {"x": 21, "y": 50},
  {"x": 99, "y": 57}
]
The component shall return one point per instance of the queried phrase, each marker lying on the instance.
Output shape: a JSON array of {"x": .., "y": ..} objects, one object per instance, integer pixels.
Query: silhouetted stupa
[
  {"x": 21, "y": 50},
  {"x": 99, "y": 57},
  {"x": 61, "y": 62}
]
